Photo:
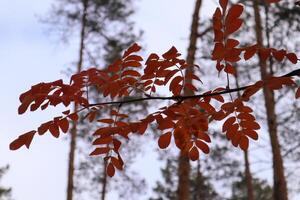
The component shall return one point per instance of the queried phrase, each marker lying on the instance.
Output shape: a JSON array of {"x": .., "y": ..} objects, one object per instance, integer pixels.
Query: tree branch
[{"x": 181, "y": 98}]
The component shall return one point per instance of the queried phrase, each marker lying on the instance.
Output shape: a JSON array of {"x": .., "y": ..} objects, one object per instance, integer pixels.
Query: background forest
[{"x": 43, "y": 40}]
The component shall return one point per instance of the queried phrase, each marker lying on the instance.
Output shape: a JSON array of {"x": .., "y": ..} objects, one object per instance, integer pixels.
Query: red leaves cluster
[
  {"x": 241, "y": 126},
  {"x": 188, "y": 124},
  {"x": 227, "y": 51},
  {"x": 185, "y": 120}
]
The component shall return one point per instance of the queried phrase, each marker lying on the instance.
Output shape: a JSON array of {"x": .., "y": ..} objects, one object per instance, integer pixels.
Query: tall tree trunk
[
  {"x": 73, "y": 131},
  {"x": 104, "y": 182},
  {"x": 184, "y": 163},
  {"x": 279, "y": 189},
  {"x": 248, "y": 174}
]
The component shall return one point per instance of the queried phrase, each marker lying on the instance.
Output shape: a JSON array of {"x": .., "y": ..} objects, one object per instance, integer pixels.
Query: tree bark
[
  {"x": 279, "y": 189},
  {"x": 184, "y": 163},
  {"x": 104, "y": 182},
  {"x": 248, "y": 174},
  {"x": 73, "y": 131}
]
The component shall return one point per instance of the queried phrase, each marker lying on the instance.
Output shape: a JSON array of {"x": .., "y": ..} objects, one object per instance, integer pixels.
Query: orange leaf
[
  {"x": 279, "y": 55},
  {"x": 251, "y": 125},
  {"x": 250, "y": 52},
  {"x": 229, "y": 122},
  {"x": 110, "y": 170},
  {"x": 131, "y": 73},
  {"x": 233, "y": 26},
  {"x": 24, "y": 139},
  {"x": 223, "y": 4},
  {"x": 116, "y": 162},
  {"x": 53, "y": 128},
  {"x": 194, "y": 153},
  {"x": 230, "y": 69},
  {"x": 107, "y": 121},
  {"x": 63, "y": 125},
  {"x": 203, "y": 146},
  {"x": 297, "y": 95},
  {"x": 171, "y": 54},
  {"x": 231, "y": 43},
  {"x": 73, "y": 116},
  {"x": 250, "y": 133},
  {"x": 102, "y": 140},
  {"x": 134, "y": 48},
  {"x": 244, "y": 143},
  {"x": 164, "y": 140},
  {"x": 117, "y": 144},
  {"x": 292, "y": 57},
  {"x": 233, "y": 13},
  {"x": 100, "y": 150}
]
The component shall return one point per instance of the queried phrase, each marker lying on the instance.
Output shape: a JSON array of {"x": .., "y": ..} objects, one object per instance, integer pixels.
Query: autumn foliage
[{"x": 186, "y": 120}]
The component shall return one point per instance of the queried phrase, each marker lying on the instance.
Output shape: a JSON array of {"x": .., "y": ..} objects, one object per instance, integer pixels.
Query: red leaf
[
  {"x": 175, "y": 83},
  {"x": 194, "y": 153},
  {"x": 230, "y": 69},
  {"x": 164, "y": 123},
  {"x": 250, "y": 52},
  {"x": 116, "y": 162},
  {"x": 164, "y": 140},
  {"x": 250, "y": 133},
  {"x": 53, "y": 128},
  {"x": 134, "y": 48},
  {"x": 110, "y": 170},
  {"x": 279, "y": 55},
  {"x": 233, "y": 26},
  {"x": 100, "y": 150},
  {"x": 102, "y": 140},
  {"x": 107, "y": 121},
  {"x": 117, "y": 144},
  {"x": 63, "y": 124},
  {"x": 73, "y": 117},
  {"x": 24, "y": 139},
  {"x": 171, "y": 54},
  {"x": 223, "y": 4},
  {"x": 292, "y": 57},
  {"x": 229, "y": 122},
  {"x": 203, "y": 146},
  {"x": 233, "y": 13},
  {"x": 297, "y": 95},
  {"x": 272, "y": 1},
  {"x": 131, "y": 73},
  {"x": 231, "y": 43},
  {"x": 244, "y": 143}
]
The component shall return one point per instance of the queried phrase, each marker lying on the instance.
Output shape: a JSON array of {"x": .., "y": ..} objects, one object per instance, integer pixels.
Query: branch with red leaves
[{"x": 186, "y": 119}]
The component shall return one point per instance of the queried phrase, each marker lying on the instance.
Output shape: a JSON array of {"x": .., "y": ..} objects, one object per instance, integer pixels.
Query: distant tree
[
  {"x": 261, "y": 189},
  {"x": 5, "y": 193},
  {"x": 93, "y": 21}
]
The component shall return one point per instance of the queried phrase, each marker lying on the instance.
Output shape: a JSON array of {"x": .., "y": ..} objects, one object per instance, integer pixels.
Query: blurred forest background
[{"x": 72, "y": 35}]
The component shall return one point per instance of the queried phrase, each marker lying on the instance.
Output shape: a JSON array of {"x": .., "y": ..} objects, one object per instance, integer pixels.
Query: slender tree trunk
[
  {"x": 279, "y": 189},
  {"x": 104, "y": 182},
  {"x": 250, "y": 195},
  {"x": 184, "y": 163},
  {"x": 73, "y": 131},
  {"x": 248, "y": 174}
]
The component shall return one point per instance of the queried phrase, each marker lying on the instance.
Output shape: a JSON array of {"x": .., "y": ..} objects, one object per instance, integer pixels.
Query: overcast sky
[{"x": 28, "y": 56}]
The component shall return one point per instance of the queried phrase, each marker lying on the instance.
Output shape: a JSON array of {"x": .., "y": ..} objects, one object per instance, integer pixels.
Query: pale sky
[{"x": 29, "y": 56}]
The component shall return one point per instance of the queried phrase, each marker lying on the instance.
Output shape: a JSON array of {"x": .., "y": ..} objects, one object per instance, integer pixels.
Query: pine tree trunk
[
  {"x": 248, "y": 174},
  {"x": 184, "y": 163},
  {"x": 250, "y": 195},
  {"x": 104, "y": 182},
  {"x": 73, "y": 131},
  {"x": 279, "y": 189}
]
